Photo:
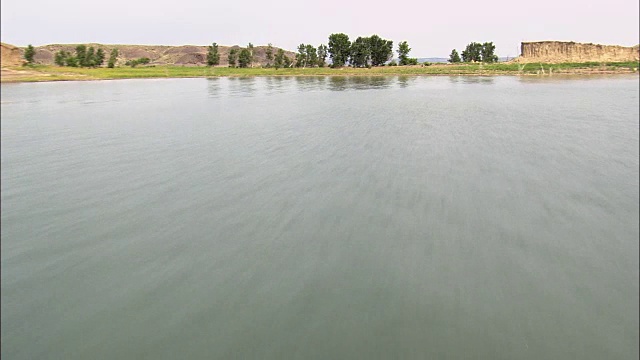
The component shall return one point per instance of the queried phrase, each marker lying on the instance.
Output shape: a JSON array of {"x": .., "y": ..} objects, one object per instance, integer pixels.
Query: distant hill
[{"x": 185, "y": 55}]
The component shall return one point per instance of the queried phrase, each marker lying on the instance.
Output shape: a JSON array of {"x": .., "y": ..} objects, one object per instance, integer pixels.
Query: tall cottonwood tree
[
  {"x": 322, "y": 55},
  {"x": 360, "y": 55},
  {"x": 279, "y": 59},
  {"x": 381, "y": 50},
  {"x": 487, "y": 53},
  {"x": 312, "y": 55},
  {"x": 90, "y": 57},
  {"x": 244, "y": 58},
  {"x": 99, "y": 59},
  {"x": 232, "y": 57},
  {"x": 251, "y": 54},
  {"x": 213, "y": 56},
  {"x": 113, "y": 57},
  {"x": 81, "y": 54},
  {"x": 454, "y": 57},
  {"x": 301, "y": 56},
  {"x": 472, "y": 53},
  {"x": 403, "y": 53},
  {"x": 339, "y": 49},
  {"x": 269, "y": 54}
]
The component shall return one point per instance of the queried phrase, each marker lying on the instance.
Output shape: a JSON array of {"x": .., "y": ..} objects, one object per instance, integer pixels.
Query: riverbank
[{"x": 39, "y": 73}]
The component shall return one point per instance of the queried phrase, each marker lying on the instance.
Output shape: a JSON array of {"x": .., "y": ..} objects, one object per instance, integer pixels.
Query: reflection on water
[
  {"x": 338, "y": 83},
  {"x": 404, "y": 80},
  {"x": 341, "y": 83},
  {"x": 252, "y": 86},
  {"x": 484, "y": 80},
  {"x": 214, "y": 85},
  {"x": 308, "y": 83},
  {"x": 242, "y": 86},
  {"x": 248, "y": 87}
]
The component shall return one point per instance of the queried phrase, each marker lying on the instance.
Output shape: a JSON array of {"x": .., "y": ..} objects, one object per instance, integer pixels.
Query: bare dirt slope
[
  {"x": 558, "y": 51},
  {"x": 11, "y": 55},
  {"x": 185, "y": 55}
]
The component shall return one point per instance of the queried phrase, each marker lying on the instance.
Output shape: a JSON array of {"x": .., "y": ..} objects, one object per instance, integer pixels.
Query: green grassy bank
[{"x": 56, "y": 73}]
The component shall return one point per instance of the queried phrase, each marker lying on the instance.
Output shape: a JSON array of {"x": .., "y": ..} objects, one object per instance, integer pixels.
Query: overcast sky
[{"x": 432, "y": 28}]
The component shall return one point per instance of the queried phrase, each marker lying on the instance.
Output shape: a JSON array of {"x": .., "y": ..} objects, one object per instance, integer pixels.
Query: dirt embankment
[
  {"x": 185, "y": 55},
  {"x": 558, "y": 52},
  {"x": 11, "y": 55}
]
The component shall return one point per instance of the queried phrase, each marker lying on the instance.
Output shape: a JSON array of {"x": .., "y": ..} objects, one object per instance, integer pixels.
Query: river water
[{"x": 321, "y": 218}]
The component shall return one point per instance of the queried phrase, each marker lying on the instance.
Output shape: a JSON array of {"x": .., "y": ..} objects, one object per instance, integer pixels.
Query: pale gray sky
[{"x": 432, "y": 28}]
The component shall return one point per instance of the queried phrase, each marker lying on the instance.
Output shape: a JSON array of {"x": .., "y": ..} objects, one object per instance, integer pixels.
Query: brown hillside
[
  {"x": 11, "y": 55},
  {"x": 186, "y": 55}
]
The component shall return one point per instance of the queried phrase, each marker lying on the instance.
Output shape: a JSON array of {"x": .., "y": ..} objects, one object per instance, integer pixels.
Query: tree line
[
  {"x": 84, "y": 57},
  {"x": 475, "y": 52},
  {"x": 362, "y": 52}
]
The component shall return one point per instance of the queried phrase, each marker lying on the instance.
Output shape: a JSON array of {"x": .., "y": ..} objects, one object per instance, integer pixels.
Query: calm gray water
[{"x": 321, "y": 218}]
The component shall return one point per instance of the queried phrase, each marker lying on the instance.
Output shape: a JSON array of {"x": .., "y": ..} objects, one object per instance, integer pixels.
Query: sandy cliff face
[
  {"x": 186, "y": 55},
  {"x": 11, "y": 55},
  {"x": 557, "y": 51}
]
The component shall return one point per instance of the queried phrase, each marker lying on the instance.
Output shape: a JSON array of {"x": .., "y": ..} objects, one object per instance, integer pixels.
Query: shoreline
[{"x": 45, "y": 73}]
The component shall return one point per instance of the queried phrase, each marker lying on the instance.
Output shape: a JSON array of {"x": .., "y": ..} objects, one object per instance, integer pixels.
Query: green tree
[
  {"x": 287, "y": 61},
  {"x": 339, "y": 49},
  {"x": 322, "y": 55},
  {"x": 113, "y": 57},
  {"x": 81, "y": 54},
  {"x": 233, "y": 56},
  {"x": 99, "y": 57},
  {"x": 312, "y": 55},
  {"x": 472, "y": 53},
  {"x": 29, "y": 53},
  {"x": 403, "y": 53},
  {"x": 487, "y": 53},
  {"x": 269, "y": 54},
  {"x": 213, "y": 57},
  {"x": 90, "y": 57},
  {"x": 244, "y": 58},
  {"x": 454, "y": 57},
  {"x": 71, "y": 61},
  {"x": 279, "y": 59},
  {"x": 251, "y": 57},
  {"x": 59, "y": 58},
  {"x": 360, "y": 52},
  {"x": 381, "y": 50},
  {"x": 301, "y": 56}
]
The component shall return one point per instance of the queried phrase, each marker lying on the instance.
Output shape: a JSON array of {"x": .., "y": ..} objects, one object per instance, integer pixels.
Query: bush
[
  {"x": 29, "y": 53},
  {"x": 140, "y": 61}
]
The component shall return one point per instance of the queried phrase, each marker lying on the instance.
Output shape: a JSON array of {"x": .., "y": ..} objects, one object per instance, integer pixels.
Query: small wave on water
[{"x": 321, "y": 217}]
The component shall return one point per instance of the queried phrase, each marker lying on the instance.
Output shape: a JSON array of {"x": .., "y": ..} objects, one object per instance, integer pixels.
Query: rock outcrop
[{"x": 558, "y": 51}]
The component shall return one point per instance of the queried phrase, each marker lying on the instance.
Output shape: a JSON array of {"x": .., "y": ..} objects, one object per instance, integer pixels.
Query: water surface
[{"x": 321, "y": 218}]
